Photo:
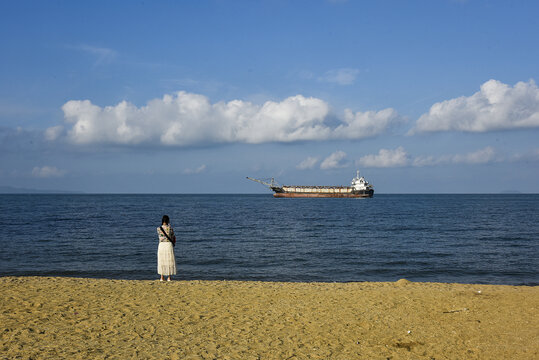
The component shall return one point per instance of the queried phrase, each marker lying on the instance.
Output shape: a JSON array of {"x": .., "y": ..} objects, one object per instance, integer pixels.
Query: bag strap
[{"x": 164, "y": 232}]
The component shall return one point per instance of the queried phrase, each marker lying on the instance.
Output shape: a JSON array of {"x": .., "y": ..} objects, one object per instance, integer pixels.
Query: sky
[{"x": 433, "y": 96}]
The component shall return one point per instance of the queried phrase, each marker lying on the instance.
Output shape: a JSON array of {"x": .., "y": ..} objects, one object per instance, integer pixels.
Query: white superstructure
[{"x": 359, "y": 183}]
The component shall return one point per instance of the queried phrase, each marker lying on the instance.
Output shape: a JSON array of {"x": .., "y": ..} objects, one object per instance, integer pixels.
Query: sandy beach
[{"x": 70, "y": 318}]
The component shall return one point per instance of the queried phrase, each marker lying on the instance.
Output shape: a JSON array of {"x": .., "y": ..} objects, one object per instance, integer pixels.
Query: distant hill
[{"x": 16, "y": 190}]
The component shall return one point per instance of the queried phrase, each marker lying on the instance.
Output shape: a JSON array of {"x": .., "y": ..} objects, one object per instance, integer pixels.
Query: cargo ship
[{"x": 360, "y": 188}]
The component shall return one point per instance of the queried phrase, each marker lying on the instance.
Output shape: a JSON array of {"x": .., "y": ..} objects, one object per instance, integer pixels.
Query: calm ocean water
[{"x": 444, "y": 238}]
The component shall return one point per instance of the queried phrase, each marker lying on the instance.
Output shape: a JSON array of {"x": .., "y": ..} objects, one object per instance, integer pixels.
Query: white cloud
[
  {"x": 496, "y": 106},
  {"x": 308, "y": 163},
  {"x": 54, "y": 132},
  {"x": 399, "y": 157},
  {"x": 385, "y": 158},
  {"x": 530, "y": 156},
  {"x": 366, "y": 124},
  {"x": 481, "y": 156},
  {"x": 429, "y": 161},
  {"x": 306, "y": 75},
  {"x": 185, "y": 119},
  {"x": 334, "y": 161},
  {"x": 103, "y": 55},
  {"x": 47, "y": 172},
  {"x": 344, "y": 76},
  {"x": 198, "y": 170}
]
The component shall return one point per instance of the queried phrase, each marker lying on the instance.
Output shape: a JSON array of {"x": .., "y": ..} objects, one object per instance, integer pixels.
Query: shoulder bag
[{"x": 172, "y": 240}]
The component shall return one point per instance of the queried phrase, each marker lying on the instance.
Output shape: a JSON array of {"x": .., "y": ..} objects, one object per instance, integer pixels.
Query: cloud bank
[
  {"x": 198, "y": 170},
  {"x": 47, "y": 172},
  {"x": 185, "y": 119},
  {"x": 387, "y": 158},
  {"x": 344, "y": 76},
  {"x": 309, "y": 163},
  {"x": 334, "y": 161},
  {"x": 481, "y": 156},
  {"x": 496, "y": 106},
  {"x": 102, "y": 55}
]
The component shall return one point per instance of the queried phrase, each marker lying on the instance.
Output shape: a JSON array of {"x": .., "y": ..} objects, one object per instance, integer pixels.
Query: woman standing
[{"x": 166, "y": 262}]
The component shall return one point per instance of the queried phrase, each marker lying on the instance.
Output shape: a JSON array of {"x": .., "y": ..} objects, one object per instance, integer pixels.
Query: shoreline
[
  {"x": 156, "y": 277},
  {"x": 77, "y": 318}
]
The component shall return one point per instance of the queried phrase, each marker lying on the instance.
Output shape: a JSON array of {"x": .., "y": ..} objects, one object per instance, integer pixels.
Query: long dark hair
[{"x": 165, "y": 220}]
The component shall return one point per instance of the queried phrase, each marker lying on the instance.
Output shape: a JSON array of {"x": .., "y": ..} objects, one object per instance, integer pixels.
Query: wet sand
[{"x": 69, "y": 318}]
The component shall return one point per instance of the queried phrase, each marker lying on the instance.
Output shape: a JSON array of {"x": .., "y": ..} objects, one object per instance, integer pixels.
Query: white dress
[{"x": 166, "y": 261}]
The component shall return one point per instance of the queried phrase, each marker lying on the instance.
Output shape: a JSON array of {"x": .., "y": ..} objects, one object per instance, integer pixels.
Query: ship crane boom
[{"x": 270, "y": 185}]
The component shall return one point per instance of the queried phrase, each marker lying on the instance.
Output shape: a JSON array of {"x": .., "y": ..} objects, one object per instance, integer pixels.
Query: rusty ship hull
[
  {"x": 320, "y": 192},
  {"x": 320, "y": 195},
  {"x": 360, "y": 189}
]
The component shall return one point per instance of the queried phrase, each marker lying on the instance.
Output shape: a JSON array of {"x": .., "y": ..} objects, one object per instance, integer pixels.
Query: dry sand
[{"x": 50, "y": 318}]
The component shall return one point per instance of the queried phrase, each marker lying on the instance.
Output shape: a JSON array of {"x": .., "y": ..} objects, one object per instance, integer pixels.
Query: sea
[{"x": 463, "y": 238}]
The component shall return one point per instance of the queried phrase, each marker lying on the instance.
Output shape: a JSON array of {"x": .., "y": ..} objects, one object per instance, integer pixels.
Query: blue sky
[{"x": 193, "y": 96}]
